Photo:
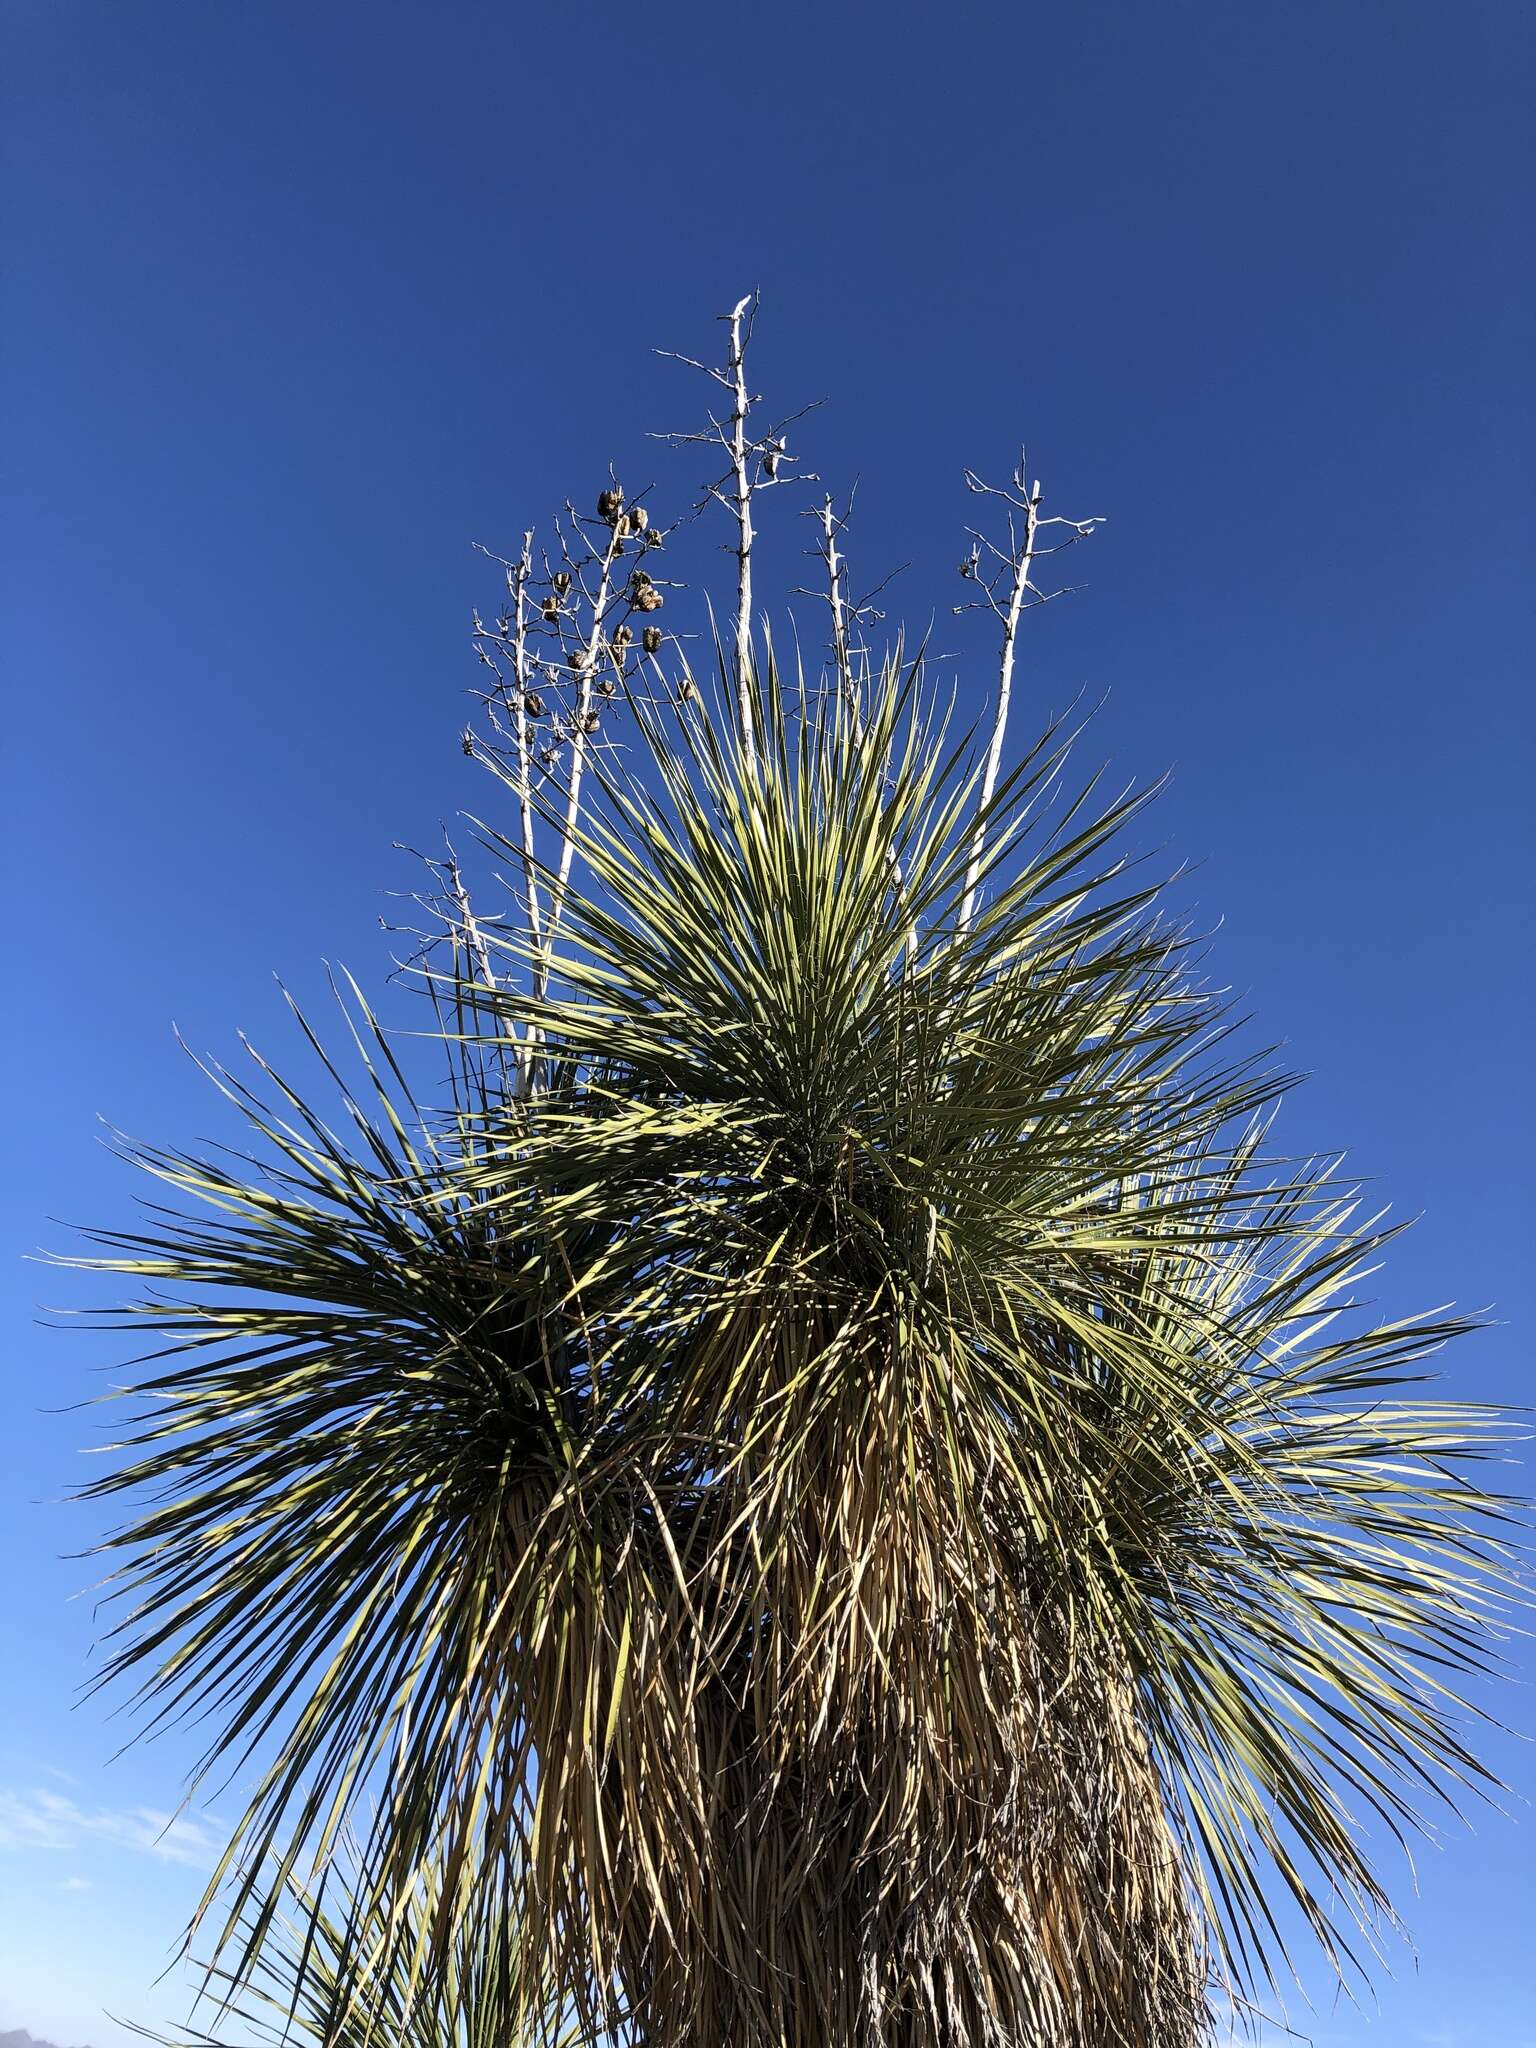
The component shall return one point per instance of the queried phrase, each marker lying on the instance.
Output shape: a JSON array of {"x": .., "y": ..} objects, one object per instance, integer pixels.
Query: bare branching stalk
[
  {"x": 1007, "y": 591},
  {"x": 836, "y": 565},
  {"x": 472, "y": 937},
  {"x": 740, "y": 327},
  {"x": 591, "y": 650},
  {"x": 563, "y": 655},
  {"x": 849, "y": 616},
  {"x": 850, "y": 676},
  {"x": 757, "y": 462},
  {"x": 517, "y": 587}
]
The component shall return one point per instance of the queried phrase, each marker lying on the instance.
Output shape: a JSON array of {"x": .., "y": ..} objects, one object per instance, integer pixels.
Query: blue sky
[{"x": 304, "y": 301}]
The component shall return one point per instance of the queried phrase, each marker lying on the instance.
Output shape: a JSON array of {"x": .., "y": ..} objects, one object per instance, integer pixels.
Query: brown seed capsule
[
  {"x": 551, "y": 610},
  {"x": 648, "y": 598},
  {"x": 533, "y": 704},
  {"x": 639, "y": 519},
  {"x": 650, "y": 639},
  {"x": 609, "y": 506},
  {"x": 640, "y": 576},
  {"x": 579, "y": 658},
  {"x": 588, "y": 721},
  {"x": 562, "y": 581},
  {"x": 606, "y": 686},
  {"x": 653, "y": 539},
  {"x": 622, "y": 635}
]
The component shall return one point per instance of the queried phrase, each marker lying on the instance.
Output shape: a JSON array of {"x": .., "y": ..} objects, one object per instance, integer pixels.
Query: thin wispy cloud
[{"x": 45, "y": 1820}]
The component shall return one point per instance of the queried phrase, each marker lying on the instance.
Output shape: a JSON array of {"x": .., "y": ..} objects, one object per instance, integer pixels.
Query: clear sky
[{"x": 303, "y": 300}]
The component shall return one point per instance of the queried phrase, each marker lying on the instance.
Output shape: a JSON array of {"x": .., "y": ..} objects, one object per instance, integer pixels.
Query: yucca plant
[{"x": 836, "y": 1487}]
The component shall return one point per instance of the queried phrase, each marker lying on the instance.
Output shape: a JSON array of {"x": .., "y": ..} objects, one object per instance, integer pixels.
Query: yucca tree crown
[{"x": 834, "y": 1489}]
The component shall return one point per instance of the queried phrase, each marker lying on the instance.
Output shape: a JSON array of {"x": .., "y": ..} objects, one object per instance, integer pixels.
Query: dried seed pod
[
  {"x": 685, "y": 689},
  {"x": 622, "y": 635},
  {"x": 533, "y": 704},
  {"x": 588, "y": 721},
  {"x": 648, "y": 598},
  {"x": 467, "y": 740},
  {"x": 579, "y": 658},
  {"x": 551, "y": 609},
  {"x": 653, "y": 538},
  {"x": 609, "y": 505},
  {"x": 562, "y": 582},
  {"x": 639, "y": 519},
  {"x": 650, "y": 640},
  {"x": 606, "y": 686}
]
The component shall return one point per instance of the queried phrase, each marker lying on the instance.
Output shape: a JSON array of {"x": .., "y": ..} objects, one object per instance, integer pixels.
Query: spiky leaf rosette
[{"x": 849, "y": 1502}]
